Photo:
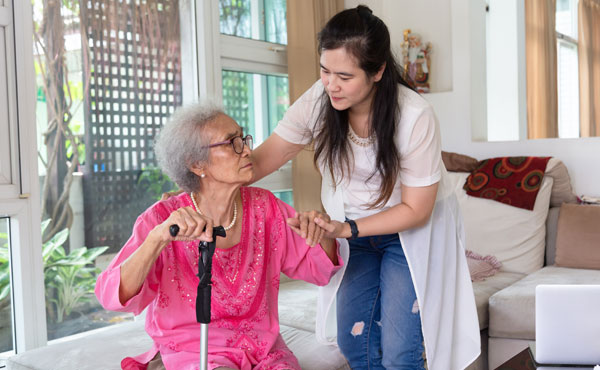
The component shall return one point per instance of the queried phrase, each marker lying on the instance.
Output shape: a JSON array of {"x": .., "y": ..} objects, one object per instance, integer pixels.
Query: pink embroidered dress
[{"x": 244, "y": 328}]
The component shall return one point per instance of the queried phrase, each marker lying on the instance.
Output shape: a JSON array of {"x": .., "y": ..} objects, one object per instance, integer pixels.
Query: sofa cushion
[
  {"x": 105, "y": 348},
  {"x": 310, "y": 354},
  {"x": 578, "y": 237},
  {"x": 483, "y": 290},
  {"x": 514, "y": 235},
  {"x": 97, "y": 349},
  {"x": 298, "y": 305},
  {"x": 512, "y": 310}
]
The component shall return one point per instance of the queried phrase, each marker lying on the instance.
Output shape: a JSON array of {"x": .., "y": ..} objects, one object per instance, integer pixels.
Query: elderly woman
[{"x": 205, "y": 152}]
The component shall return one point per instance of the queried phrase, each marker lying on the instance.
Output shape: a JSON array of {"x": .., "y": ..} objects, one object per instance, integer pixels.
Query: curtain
[
  {"x": 589, "y": 67},
  {"x": 542, "y": 90},
  {"x": 305, "y": 18}
]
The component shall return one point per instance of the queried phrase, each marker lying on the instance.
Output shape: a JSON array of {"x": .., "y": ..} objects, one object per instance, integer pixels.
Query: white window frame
[
  {"x": 218, "y": 52},
  {"x": 9, "y": 166},
  {"x": 20, "y": 200}
]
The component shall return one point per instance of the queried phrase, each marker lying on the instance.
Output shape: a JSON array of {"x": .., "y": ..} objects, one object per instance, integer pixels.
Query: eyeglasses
[{"x": 237, "y": 143}]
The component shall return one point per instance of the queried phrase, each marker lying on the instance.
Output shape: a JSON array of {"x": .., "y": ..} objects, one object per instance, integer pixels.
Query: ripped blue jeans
[{"x": 378, "y": 318}]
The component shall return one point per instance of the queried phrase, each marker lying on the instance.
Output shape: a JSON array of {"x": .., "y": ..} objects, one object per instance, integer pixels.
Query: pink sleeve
[
  {"x": 107, "y": 285},
  {"x": 299, "y": 260}
]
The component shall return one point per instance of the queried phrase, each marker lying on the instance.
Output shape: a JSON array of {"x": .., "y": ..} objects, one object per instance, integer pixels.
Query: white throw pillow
[{"x": 515, "y": 236}]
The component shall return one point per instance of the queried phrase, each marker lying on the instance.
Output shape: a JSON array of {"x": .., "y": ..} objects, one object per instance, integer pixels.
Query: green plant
[
  {"x": 69, "y": 278},
  {"x": 4, "y": 271},
  {"x": 152, "y": 181}
]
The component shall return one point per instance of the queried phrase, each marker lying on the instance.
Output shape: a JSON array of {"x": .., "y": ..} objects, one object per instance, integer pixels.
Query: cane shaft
[{"x": 203, "y": 346}]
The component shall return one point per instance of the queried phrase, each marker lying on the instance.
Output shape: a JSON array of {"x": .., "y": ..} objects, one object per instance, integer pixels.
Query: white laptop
[{"x": 567, "y": 325}]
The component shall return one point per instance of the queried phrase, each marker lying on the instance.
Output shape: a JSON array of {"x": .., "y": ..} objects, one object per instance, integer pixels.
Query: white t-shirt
[{"x": 416, "y": 139}]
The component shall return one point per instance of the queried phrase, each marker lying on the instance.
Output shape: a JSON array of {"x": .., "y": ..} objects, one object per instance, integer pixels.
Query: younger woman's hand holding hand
[
  {"x": 313, "y": 226},
  {"x": 317, "y": 228}
]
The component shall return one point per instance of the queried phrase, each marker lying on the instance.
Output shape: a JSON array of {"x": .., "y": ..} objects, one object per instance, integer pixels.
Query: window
[
  {"x": 120, "y": 80},
  {"x": 254, "y": 79},
  {"x": 257, "y": 19},
  {"x": 567, "y": 69},
  {"x": 256, "y": 101}
]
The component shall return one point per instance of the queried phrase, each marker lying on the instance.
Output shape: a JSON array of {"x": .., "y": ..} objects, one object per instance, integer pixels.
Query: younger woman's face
[{"x": 347, "y": 85}]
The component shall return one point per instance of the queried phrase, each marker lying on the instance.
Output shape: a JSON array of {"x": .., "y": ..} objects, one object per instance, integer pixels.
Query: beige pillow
[
  {"x": 578, "y": 237},
  {"x": 562, "y": 192},
  {"x": 515, "y": 236}
]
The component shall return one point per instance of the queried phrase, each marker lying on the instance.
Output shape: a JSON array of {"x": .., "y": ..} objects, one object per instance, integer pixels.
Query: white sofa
[
  {"x": 505, "y": 301},
  {"x": 525, "y": 242}
]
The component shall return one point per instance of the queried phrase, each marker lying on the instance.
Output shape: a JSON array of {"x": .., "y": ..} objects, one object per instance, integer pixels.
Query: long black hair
[{"x": 366, "y": 38}]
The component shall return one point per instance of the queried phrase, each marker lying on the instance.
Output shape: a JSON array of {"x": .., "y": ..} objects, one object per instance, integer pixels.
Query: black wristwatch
[{"x": 353, "y": 229}]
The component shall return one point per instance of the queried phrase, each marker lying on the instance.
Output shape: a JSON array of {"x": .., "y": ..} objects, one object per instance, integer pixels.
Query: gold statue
[{"x": 416, "y": 60}]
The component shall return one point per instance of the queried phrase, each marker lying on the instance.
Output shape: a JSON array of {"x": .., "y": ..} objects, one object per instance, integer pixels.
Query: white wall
[
  {"x": 506, "y": 70},
  {"x": 455, "y": 109},
  {"x": 398, "y": 15}
]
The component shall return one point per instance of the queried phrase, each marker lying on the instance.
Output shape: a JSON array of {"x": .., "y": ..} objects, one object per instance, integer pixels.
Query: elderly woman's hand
[
  {"x": 314, "y": 225},
  {"x": 192, "y": 226}
]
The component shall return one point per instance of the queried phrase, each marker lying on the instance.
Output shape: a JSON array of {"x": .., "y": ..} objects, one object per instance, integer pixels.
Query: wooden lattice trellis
[{"x": 134, "y": 85}]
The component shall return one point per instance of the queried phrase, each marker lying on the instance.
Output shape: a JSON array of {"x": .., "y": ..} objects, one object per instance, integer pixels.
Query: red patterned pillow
[{"x": 509, "y": 180}]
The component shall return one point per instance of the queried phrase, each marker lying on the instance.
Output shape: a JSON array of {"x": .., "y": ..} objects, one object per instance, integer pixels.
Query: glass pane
[
  {"x": 238, "y": 99},
  {"x": 256, "y": 19},
  {"x": 276, "y": 24},
  {"x": 257, "y": 102},
  {"x": 235, "y": 18},
  {"x": 279, "y": 99},
  {"x": 285, "y": 196},
  {"x": 118, "y": 86},
  {"x": 6, "y": 323},
  {"x": 566, "y": 17},
  {"x": 568, "y": 90}
]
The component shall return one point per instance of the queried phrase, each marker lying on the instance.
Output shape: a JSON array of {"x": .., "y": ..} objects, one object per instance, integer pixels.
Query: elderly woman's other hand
[
  {"x": 317, "y": 228},
  {"x": 313, "y": 226},
  {"x": 192, "y": 226}
]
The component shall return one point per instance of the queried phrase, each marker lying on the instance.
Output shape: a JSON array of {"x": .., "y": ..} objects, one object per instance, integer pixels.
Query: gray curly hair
[{"x": 182, "y": 143}]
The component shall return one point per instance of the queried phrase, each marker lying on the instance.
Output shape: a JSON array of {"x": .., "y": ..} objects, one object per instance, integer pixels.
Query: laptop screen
[{"x": 567, "y": 324}]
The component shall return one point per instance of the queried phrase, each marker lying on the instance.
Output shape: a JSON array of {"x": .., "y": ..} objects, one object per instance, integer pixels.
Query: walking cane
[{"x": 206, "y": 251}]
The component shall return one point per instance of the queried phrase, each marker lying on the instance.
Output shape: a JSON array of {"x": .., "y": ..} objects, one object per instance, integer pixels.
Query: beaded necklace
[{"x": 234, "y": 211}]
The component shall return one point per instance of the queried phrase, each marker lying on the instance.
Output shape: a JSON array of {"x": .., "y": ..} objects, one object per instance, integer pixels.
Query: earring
[{"x": 202, "y": 175}]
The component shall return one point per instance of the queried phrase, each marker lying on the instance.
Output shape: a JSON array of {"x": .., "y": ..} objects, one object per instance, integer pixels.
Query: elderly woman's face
[{"x": 224, "y": 164}]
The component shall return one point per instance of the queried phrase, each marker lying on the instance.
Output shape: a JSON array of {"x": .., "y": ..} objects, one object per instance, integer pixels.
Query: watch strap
[{"x": 353, "y": 229}]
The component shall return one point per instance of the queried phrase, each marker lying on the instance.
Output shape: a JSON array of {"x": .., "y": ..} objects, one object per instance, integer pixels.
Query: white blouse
[{"x": 435, "y": 251}]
